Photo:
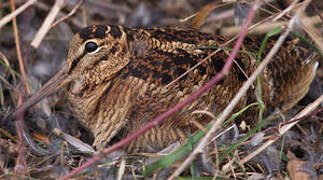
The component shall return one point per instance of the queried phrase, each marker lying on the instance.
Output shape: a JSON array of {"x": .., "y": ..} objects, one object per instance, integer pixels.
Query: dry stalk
[
  {"x": 45, "y": 27},
  {"x": 84, "y": 16},
  {"x": 267, "y": 26},
  {"x": 285, "y": 11},
  {"x": 78, "y": 144},
  {"x": 284, "y": 128},
  {"x": 276, "y": 8},
  {"x": 260, "y": 22},
  {"x": 317, "y": 10},
  {"x": 20, "y": 166},
  {"x": 15, "y": 13},
  {"x": 68, "y": 15},
  {"x": 74, "y": 21},
  {"x": 309, "y": 28},
  {"x": 17, "y": 43}
]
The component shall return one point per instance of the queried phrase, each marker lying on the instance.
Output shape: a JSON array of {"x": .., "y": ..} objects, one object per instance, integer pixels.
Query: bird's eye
[{"x": 90, "y": 47}]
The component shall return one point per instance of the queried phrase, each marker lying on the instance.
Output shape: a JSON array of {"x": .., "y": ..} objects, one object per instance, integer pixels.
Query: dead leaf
[
  {"x": 202, "y": 15},
  {"x": 299, "y": 169}
]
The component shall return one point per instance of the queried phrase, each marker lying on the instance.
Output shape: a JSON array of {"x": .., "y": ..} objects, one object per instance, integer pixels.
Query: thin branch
[
  {"x": 15, "y": 13},
  {"x": 310, "y": 29},
  {"x": 84, "y": 12},
  {"x": 285, "y": 11},
  {"x": 20, "y": 166},
  {"x": 45, "y": 27},
  {"x": 285, "y": 128},
  {"x": 317, "y": 11},
  {"x": 267, "y": 26},
  {"x": 293, "y": 120},
  {"x": 17, "y": 43},
  {"x": 68, "y": 15}
]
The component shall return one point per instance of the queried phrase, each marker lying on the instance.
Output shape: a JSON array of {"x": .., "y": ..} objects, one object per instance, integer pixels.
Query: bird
[{"x": 117, "y": 79}]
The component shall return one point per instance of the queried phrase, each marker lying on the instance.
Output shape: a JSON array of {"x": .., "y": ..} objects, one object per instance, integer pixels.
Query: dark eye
[{"x": 90, "y": 47}]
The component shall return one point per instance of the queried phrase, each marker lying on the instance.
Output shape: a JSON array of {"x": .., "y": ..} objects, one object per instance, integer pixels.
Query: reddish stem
[{"x": 20, "y": 166}]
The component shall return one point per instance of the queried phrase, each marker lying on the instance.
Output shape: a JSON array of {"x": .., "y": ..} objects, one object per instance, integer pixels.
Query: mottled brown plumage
[
  {"x": 118, "y": 77},
  {"x": 121, "y": 86}
]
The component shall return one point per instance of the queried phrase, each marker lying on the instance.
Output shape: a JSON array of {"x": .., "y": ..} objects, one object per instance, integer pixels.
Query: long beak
[{"x": 53, "y": 85}]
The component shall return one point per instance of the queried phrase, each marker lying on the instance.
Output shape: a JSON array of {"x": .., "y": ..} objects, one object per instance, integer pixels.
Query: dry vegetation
[{"x": 33, "y": 47}]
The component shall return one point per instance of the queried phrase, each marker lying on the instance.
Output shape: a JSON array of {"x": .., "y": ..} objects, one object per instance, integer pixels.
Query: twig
[
  {"x": 233, "y": 102},
  {"x": 17, "y": 43},
  {"x": 74, "y": 21},
  {"x": 285, "y": 128},
  {"x": 59, "y": 4},
  {"x": 20, "y": 166},
  {"x": 285, "y": 11},
  {"x": 265, "y": 27},
  {"x": 84, "y": 12},
  {"x": 317, "y": 11},
  {"x": 293, "y": 120},
  {"x": 78, "y": 144},
  {"x": 15, "y": 13},
  {"x": 69, "y": 14},
  {"x": 269, "y": 26},
  {"x": 277, "y": 9},
  {"x": 309, "y": 28}
]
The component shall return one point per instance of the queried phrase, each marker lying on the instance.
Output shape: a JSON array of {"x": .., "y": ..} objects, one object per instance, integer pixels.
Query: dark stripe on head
[
  {"x": 75, "y": 62},
  {"x": 100, "y": 31},
  {"x": 97, "y": 31},
  {"x": 115, "y": 32},
  {"x": 85, "y": 33}
]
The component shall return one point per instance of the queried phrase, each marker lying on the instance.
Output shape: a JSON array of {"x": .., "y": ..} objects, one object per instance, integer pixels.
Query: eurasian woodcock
[{"x": 117, "y": 79}]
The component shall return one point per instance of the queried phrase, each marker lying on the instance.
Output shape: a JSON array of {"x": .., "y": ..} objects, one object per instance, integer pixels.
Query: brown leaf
[
  {"x": 202, "y": 15},
  {"x": 298, "y": 169}
]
